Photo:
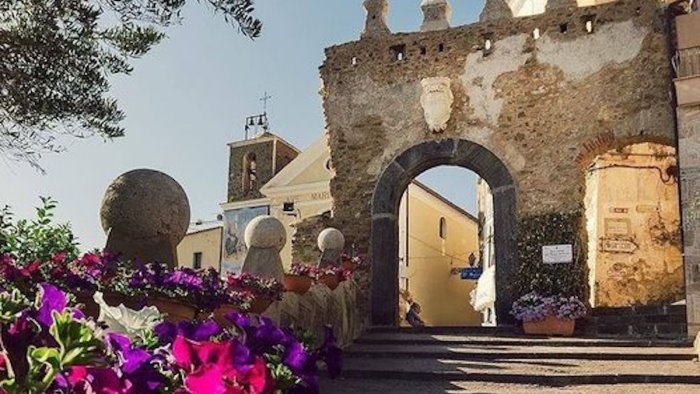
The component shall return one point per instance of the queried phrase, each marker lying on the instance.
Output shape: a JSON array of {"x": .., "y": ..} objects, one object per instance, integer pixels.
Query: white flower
[{"x": 127, "y": 321}]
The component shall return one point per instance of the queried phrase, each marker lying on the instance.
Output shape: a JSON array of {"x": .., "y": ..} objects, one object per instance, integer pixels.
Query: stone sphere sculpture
[
  {"x": 331, "y": 239},
  {"x": 265, "y": 232},
  {"x": 265, "y": 237},
  {"x": 331, "y": 242},
  {"x": 145, "y": 214}
]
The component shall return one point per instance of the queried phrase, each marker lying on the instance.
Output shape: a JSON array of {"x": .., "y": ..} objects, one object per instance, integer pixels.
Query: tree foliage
[{"x": 56, "y": 57}]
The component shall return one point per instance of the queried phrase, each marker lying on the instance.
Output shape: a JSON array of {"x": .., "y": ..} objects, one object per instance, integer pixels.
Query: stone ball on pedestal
[
  {"x": 146, "y": 205},
  {"x": 265, "y": 232},
  {"x": 331, "y": 239}
]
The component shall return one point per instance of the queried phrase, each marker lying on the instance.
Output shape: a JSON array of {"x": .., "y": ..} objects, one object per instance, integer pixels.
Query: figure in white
[{"x": 436, "y": 100}]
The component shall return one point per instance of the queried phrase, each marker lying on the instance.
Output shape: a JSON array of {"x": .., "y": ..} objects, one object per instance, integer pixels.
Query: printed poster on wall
[{"x": 234, "y": 249}]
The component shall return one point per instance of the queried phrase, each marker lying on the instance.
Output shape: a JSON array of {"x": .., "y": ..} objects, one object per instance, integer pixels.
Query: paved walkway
[{"x": 432, "y": 363}]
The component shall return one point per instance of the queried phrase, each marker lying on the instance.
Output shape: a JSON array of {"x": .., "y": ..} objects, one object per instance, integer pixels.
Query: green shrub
[{"x": 37, "y": 239}]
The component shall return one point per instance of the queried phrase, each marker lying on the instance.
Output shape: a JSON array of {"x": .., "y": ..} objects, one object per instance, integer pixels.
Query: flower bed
[
  {"x": 554, "y": 315},
  {"x": 50, "y": 346},
  {"x": 302, "y": 275}
]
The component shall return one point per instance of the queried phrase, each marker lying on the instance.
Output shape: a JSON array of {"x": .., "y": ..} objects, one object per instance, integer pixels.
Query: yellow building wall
[
  {"x": 207, "y": 242},
  {"x": 633, "y": 225},
  {"x": 442, "y": 294}
]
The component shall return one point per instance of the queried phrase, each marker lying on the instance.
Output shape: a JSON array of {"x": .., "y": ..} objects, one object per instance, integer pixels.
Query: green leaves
[
  {"x": 11, "y": 305},
  {"x": 551, "y": 279},
  {"x": 56, "y": 58},
  {"x": 77, "y": 343},
  {"x": 38, "y": 239}
]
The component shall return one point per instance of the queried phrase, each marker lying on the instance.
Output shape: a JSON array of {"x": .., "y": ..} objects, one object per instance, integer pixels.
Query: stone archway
[{"x": 385, "y": 204}]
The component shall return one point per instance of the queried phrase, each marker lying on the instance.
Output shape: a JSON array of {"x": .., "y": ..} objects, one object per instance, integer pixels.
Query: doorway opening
[
  {"x": 444, "y": 220},
  {"x": 397, "y": 178}
]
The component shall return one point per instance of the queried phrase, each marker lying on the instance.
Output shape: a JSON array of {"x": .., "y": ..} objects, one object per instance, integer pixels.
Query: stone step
[
  {"x": 421, "y": 338},
  {"x": 641, "y": 310},
  {"x": 392, "y": 386},
  {"x": 487, "y": 351},
  {"x": 543, "y": 372}
]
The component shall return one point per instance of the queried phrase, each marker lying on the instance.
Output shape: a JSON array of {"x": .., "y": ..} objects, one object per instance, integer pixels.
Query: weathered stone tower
[{"x": 253, "y": 162}]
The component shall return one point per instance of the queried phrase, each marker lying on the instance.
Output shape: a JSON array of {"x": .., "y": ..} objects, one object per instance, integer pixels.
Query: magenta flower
[{"x": 210, "y": 368}]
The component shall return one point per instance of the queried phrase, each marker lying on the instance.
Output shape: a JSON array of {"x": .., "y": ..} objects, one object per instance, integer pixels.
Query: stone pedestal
[
  {"x": 265, "y": 237},
  {"x": 436, "y": 15},
  {"x": 375, "y": 24}
]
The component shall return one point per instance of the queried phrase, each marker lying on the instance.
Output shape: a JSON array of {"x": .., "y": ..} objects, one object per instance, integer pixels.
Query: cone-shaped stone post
[
  {"x": 375, "y": 25},
  {"x": 436, "y": 15}
]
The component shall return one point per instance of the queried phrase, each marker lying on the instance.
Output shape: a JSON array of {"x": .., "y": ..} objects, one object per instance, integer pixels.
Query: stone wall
[
  {"x": 688, "y": 29},
  {"x": 541, "y": 106},
  {"x": 343, "y": 308},
  {"x": 264, "y": 168}
]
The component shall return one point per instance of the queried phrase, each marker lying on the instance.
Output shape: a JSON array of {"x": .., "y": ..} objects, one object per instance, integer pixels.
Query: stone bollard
[
  {"x": 265, "y": 237},
  {"x": 331, "y": 242},
  {"x": 145, "y": 214}
]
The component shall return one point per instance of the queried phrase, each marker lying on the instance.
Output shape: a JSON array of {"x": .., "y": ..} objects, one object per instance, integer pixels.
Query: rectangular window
[{"x": 197, "y": 261}]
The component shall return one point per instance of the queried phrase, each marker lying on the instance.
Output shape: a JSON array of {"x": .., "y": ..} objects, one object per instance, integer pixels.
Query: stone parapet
[{"x": 344, "y": 309}]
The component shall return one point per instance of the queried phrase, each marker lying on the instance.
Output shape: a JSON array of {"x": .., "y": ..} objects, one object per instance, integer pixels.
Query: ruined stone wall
[{"x": 539, "y": 105}]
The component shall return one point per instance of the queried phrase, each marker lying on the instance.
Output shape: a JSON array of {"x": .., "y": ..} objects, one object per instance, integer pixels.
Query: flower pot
[
  {"x": 91, "y": 308},
  {"x": 347, "y": 265},
  {"x": 297, "y": 283},
  {"x": 551, "y": 325},
  {"x": 221, "y": 312},
  {"x": 259, "y": 306},
  {"x": 330, "y": 280},
  {"x": 174, "y": 311}
]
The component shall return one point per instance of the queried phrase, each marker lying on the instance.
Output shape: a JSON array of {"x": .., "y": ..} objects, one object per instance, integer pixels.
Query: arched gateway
[{"x": 385, "y": 205}]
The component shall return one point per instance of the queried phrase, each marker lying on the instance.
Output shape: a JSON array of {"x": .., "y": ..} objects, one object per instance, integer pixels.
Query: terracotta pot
[
  {"x": 219, "y": 314},
  {"x": 174, "y": 311},
  {"x": 330, "y": 280},
  {"x": 297, "y": 283},
  {"x": 348, "y": 266},
  {"x": 91, "y": 308},
  {"x": 259, "y": 306},
  {"x": 551, "y": 325}
]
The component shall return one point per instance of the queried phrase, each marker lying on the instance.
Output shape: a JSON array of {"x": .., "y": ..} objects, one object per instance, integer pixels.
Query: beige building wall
[
  {"x": 633, "y": 225},
  {"x": 207, "y": 242},
  {"x": 430, "y": 263}
]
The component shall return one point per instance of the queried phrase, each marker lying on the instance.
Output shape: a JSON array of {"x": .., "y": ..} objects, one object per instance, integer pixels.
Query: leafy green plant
[
  {"x": 37, "y": 239},
  {"x": 533, "y": 275}
]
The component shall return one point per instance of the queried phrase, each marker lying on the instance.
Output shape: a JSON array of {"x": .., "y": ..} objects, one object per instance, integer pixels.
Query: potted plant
[
  {"x": 331, "y": 276},
  {"x": 554, "y": 315},
  {"x": 300, "y": 278},
  {"x": 264, "y": 291}
]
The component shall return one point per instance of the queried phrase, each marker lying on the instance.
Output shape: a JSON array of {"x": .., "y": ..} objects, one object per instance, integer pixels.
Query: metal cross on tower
[{"x": 265, "y": 98}]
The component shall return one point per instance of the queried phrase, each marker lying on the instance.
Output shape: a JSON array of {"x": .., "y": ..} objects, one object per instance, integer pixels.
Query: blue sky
[{"x": 189, "y": 96}]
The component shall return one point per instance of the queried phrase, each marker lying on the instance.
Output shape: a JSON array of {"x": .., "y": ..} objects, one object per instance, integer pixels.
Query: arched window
[
  {"x": 443, "y": 228},
  {"x": 250, "y": 175}
]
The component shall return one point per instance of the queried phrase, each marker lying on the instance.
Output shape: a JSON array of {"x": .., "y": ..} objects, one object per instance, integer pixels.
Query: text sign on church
[{"x": 557, "y": 254}]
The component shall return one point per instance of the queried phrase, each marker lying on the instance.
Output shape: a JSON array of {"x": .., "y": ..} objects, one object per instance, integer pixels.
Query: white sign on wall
[{"x": 557, "y": 254}]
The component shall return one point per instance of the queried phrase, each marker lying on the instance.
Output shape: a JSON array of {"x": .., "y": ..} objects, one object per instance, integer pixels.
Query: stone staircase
[
  {"x": 497, "y": 361},
  {"x": 665, "y": 321}
]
